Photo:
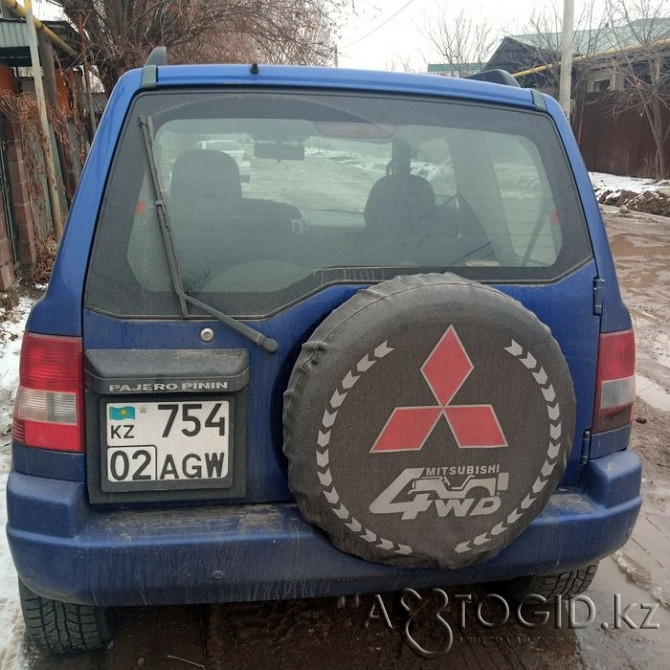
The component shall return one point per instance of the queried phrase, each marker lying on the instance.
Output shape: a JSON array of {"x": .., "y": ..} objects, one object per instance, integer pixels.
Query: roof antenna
[{"x": 254, "y": 69}]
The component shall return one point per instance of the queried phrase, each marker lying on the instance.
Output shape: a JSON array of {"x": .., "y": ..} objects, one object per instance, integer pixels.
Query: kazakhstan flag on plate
[{"x": 122, "y": 413}]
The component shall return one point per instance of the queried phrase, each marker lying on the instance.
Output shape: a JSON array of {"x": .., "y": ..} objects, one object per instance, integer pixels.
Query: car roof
[{"x": 168, "y": 76}]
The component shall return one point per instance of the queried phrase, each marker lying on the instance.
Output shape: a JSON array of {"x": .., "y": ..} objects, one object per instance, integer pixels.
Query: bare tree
[
  {"x": 303, "y": 37},
  {"x": 464, "y": 42},
  {"x": 640, "y": 63},
  {"x": 120, "y": 33},
  {"x": 301, "y": 33},
  {"x": 544, "y": 33}
]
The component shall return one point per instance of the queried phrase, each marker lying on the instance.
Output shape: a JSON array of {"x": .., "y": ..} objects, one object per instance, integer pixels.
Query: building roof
[
  {"x": 14, "y": 46},
  {"x": 513, "y": 55},
  {"x": 521, "y": 52},
  {"x": 597, "y": 40}
]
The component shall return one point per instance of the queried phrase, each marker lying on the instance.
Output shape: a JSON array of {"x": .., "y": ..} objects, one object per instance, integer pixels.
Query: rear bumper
[{"x": 65, "y": 550}]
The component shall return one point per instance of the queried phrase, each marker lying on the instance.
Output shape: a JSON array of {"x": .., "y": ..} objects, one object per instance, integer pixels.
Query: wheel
[
  {"x": 427, "y": 421},
  {"x": 550, "y": 587},
  {"x": 64, "y": 628}
]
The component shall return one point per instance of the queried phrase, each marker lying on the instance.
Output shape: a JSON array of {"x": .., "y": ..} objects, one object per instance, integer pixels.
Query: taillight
[
  {"x": 49, "y": 407},
  {"x": 615, "y": 381}
]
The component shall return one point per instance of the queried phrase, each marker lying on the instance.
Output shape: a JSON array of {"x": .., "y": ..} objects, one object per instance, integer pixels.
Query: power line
[{"x": 381, "y": 25}]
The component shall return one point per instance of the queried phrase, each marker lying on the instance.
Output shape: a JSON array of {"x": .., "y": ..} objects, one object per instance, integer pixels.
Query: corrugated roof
[
  {"x": 12, "y": 34},
  {"x": 14, "y": 46},
  {"x": 597, "y": 40}
]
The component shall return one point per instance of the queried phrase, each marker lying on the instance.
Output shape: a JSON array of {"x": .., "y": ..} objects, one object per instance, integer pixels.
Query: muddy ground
[{"x": 328, "y": 633}]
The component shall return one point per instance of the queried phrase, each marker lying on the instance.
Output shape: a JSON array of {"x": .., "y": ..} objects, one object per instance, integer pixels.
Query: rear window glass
[{"x": 272, "y": 196}]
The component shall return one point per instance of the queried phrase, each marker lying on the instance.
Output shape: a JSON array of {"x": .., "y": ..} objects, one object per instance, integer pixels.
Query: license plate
[{"x": 174, "y": 444}]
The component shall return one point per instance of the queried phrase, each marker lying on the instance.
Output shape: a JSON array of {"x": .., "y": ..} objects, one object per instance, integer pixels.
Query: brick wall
[
  {"x": 21, "y": 198},
  {"x": 6, "y": 265}
]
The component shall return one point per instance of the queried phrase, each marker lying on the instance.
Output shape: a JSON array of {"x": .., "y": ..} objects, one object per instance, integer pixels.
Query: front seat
[
  {"x": 400, "y": 203},
  {"x": 205, "y": 186}
]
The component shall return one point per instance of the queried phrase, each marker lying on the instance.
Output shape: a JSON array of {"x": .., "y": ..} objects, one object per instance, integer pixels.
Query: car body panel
[{"x": 268, "y": 552}]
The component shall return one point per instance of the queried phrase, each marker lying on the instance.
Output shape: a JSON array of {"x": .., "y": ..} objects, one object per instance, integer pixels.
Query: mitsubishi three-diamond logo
[{"x": 445, "y": 370}]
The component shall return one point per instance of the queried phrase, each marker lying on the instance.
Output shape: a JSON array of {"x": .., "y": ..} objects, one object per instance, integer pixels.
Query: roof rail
[
  {"x": 495, "y": 77},
  {"x": 158, "y": 56}
]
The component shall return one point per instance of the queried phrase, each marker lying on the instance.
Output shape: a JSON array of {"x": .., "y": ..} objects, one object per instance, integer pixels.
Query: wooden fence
[{"x": 621, "y": 144}]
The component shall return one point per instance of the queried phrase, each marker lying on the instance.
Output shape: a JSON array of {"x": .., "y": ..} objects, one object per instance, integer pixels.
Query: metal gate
[{"x": 6, "y": 195}]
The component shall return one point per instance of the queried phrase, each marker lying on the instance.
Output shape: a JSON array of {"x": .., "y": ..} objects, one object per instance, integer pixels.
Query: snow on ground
[
  {"x": 652, "y": 393},
  {"x": 11, "y": 621},
  {"x": 610, "y": 182},
  {"x": 11, "y": 332}
]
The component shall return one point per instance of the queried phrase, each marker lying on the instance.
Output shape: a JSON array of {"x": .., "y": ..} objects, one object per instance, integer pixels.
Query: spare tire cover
[{"x": 427, "y": 421}]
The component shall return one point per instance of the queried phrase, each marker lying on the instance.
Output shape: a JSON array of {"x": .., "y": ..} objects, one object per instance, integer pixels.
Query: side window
[{"x": 528, "y": 203}]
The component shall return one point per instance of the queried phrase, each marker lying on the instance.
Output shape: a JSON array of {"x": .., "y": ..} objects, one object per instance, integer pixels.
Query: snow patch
[
  {"x": 610, "y": 182},
  {"x": 11, "y": 333},
  {"x": 661, "y": 348},
  {"x": 11, "y": 620},
  {"x": 652, "y": 393}
]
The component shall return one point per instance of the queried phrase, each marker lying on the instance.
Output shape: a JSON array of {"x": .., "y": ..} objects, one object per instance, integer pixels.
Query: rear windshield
[{"x": 272, "y": 196}]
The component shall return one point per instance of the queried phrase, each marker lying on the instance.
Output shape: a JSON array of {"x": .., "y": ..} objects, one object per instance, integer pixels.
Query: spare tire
[{"x": 427, "y": 421}]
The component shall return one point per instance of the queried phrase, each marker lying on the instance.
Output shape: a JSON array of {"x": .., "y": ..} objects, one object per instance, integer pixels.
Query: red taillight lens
[
  {"x": 49, "y": 407},
  {"x": 615, "y": 382}
]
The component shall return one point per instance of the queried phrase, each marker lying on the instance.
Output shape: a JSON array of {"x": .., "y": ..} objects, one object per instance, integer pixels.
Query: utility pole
[
  {"x": 88, "y": 93},
  {"x": 565, "y": 84},
  {"x": 54, "y": 198}
]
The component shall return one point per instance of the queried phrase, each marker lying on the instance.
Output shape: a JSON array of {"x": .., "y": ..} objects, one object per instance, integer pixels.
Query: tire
[
  {"x": 427, "y": 421},
  {"x": 550, "y": 587},
  {"x": 63, "y": 628}
]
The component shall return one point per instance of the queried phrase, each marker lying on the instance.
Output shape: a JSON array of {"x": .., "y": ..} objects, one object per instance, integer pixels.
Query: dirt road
[{"x": 355, "y": 634}]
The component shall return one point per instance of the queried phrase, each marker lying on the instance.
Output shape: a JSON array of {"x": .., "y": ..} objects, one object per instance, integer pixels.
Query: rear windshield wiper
[{"x": 184, "y": 298}]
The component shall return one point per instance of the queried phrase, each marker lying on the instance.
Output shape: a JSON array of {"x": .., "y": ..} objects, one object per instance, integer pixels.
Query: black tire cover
[{"x": 427, "y": 421}]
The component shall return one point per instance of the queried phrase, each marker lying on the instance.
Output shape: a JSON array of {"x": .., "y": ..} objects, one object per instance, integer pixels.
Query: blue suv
[{"x": 395, "y": 356}]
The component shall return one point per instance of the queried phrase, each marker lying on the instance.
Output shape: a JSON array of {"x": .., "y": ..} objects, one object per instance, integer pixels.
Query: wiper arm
[
  {"x": 267, "y": 343},
  {"x": 161, "y": 214}
]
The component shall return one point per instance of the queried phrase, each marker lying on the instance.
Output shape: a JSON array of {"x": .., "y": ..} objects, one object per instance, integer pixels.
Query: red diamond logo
[
  {"x": 445, "y": 371},
  {"x": 447, "y": 367}
]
